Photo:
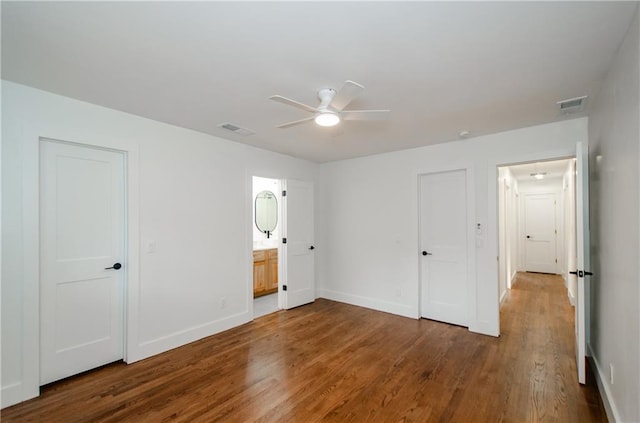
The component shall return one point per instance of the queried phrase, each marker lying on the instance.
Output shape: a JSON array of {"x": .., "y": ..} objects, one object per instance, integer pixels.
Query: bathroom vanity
[{"x": 265, "y": 272}]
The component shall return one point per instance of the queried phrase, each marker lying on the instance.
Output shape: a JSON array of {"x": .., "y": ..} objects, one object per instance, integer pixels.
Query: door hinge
[
  {"x": 284, "y": 193},
  {"x": 556, "y": 260},
  {"x": 555, "y": 232},
  {"x": 284, "y": 240},
  {"x": 284, "y": 287}
]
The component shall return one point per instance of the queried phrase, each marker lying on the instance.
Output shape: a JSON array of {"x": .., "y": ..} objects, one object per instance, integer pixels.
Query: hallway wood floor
[{"x": 334, "y": 362}]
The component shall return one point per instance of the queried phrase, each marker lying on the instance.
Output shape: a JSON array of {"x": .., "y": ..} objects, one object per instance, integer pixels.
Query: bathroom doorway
[{"x": 267, "y": 238}]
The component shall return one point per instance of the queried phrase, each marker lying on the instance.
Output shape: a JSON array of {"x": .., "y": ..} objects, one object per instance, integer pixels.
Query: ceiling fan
[{"x": 331, "y": 109}]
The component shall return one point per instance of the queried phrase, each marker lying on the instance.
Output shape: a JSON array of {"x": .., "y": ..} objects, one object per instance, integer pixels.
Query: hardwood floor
[{"x": 333, "y": 362}]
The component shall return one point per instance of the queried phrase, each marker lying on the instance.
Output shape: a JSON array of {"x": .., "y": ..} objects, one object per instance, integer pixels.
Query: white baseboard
[
  {"x": 156, "y": 346},
  {"x": 484, "y": 327},
  {"x": 605, "y": 393},
  {"x": 11, "y": 394},
  {"x": 368, "y": 302},
  {"x": 503, "y": 296}
]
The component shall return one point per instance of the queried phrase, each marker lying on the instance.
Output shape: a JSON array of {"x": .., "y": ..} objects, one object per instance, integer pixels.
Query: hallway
[{"x": 537, "y": 325}]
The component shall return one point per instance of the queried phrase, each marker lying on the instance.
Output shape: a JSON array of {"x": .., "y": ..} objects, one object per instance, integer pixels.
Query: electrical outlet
[
  {"x": 223, "y": 302},
  {"x": 611, "y": 373}
]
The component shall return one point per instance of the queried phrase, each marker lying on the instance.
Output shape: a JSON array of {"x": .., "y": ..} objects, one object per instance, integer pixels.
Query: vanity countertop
[{"x": 261, "y": 247}]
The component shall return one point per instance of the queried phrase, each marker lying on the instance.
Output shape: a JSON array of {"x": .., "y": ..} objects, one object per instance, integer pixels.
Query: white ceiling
[{"x": 441, "y": 67}]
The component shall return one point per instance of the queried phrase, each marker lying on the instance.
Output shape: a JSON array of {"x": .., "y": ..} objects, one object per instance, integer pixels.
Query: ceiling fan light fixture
[{"x": 327, "y": 119}]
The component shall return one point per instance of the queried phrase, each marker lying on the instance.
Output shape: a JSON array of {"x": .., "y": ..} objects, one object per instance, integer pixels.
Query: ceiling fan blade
[
  {"x": 293, "y": 103},
  {"x": 365, "y": 114},
  {"x": 346, "y": 94},
  {"x": 295, "y": 122}
]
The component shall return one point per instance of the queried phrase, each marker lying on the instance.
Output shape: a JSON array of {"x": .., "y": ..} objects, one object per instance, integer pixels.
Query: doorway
[
  {"x": 267, "y": 238},
  {"x": 536, "y": 220},
  {"x": 444, "y": 257},
  {"x": 82, "y": 258}
]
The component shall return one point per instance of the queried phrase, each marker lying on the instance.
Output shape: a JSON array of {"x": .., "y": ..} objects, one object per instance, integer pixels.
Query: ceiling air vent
[
  {"x": 236, "y": 129},
  {"x": 572, "y": 105}
]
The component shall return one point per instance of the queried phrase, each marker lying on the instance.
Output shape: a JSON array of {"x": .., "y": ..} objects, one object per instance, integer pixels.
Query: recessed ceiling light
[
  {"x": 463, "y": 134},
  {"x": 539, "y": 175}
]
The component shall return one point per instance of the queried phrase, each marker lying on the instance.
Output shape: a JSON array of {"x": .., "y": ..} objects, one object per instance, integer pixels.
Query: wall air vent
[
  {"x": 572, "y": 105},
  {"x": 236, "y": 129}
]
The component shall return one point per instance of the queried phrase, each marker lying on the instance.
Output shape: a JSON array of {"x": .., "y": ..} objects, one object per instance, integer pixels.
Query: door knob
[
  {"x": 528, "y": 236},
  {"x": 115, "y": 266},
  {"x": 312, "y": 248},
  {"x": 424, "y": 253}
]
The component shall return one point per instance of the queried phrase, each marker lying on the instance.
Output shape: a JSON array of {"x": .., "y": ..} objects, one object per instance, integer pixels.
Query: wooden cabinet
[{"x": 265, "y": 272}]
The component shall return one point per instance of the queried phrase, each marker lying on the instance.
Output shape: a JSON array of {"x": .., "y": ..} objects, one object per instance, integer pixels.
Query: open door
[
  {"x": 582, "y": 238},
  {"x": 297, "y": 285}
]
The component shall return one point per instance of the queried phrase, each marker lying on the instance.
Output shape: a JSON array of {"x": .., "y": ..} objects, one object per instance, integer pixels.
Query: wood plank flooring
[{"x": 338, "y": 363}]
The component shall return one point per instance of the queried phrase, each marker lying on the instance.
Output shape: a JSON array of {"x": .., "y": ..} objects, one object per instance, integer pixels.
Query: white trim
[
  {"x": 249, "y": 212},
  {"x": 503, "y": 296},
  {"x": 492, "y": 202},
  {"x": 31, "y": 266},
  {"x": 368, "y": 302},
  {"x": 572, "y": 298},
  {"x": 613, "y": 415},
  {"x": 11, "y": 394},
  {"x": 472, "y": 298},
  {"x": 183, "y": 337}
]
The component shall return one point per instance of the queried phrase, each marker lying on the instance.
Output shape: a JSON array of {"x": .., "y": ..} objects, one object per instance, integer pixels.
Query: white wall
[
  {"x": 615, "y": 231},
  {"x": 189, "y": 192},
  {"x": 369, "y": 215}
]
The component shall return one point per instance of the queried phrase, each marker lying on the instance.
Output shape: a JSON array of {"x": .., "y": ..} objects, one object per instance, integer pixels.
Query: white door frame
[
  {"x": 279, "y": 226},
  {"x": 46, "y": 281},
  {"x": 492, "y": 224},
  {"x": 30, "y": 386},
  {"x": 472, "y": 305}
]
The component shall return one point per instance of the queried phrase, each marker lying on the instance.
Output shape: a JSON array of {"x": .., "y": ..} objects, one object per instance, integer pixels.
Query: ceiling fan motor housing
[{"x": 325, "y": 95}]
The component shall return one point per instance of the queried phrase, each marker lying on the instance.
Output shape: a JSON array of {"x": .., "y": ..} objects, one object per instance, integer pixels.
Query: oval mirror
[{"x": 266, "y": 210}]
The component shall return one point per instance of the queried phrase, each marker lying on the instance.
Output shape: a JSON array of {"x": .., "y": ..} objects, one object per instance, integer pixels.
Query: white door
[
  {"x": 81, "y": 235},
  {"x": 582, "y": 242},
  {"x": 540, "y": 233},
  {"x": 298, "y": 282},
  {"x": 443, "y": 241}
]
